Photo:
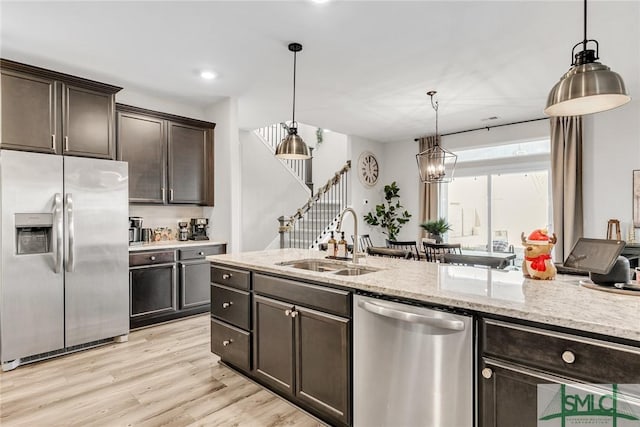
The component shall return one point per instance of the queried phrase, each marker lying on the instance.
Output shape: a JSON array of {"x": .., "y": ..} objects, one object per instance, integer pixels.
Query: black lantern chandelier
[
  {"x": 435, "y": 164},
  {"x": 293, "y": 146},
  {"x": 589, "y": 86}
]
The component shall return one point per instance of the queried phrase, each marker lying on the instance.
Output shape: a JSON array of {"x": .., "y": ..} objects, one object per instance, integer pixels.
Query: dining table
[{"x": 474, "y": 257}]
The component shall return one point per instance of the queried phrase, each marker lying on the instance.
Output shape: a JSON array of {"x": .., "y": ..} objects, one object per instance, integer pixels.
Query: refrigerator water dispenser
[{"x": 33, "y": 233}]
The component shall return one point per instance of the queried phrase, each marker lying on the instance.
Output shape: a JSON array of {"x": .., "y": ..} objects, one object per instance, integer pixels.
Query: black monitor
[{"x": 594, "y": 255}]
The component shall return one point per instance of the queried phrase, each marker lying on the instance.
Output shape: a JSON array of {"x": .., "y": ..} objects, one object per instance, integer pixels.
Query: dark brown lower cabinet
[
  {"x": 509, "y": 396},
  {"x": 304, "y": 353},
  {"x": 152, "y": 290},
  {"x": 274, "y": 343},
  {"x": 194, "y": 283},
  {"x": 521, "y": 364}
]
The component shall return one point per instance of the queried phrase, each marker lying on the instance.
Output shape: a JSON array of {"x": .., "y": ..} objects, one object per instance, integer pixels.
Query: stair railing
[
  {"x": 301, "y": 169},
  {"x": 310, "y": 224}
]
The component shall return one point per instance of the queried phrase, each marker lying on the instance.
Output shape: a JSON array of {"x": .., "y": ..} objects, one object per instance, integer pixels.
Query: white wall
[
  {"x": 611, "y": 153},
  {"x": 224, "y": 217},
  {"x": 268, "y": 192},
  {"x": 361, "y": 193},
  {"x": 328, "y": 157},
  {"x": 151, "y": 102}
]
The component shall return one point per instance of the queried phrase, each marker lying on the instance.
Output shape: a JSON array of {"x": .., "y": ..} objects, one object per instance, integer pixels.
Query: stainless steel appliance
[
  {"x": 135, "y": 230},
  {"x": 183, "y": 231},
  {"x": 199, "y": 229},
  {"x": 413, "y": 366},
  {"x": 64, "y": 261}
]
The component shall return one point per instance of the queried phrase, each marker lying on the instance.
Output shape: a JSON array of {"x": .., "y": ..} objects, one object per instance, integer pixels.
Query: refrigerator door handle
[
  {"x": 57, "y": 222},
  {"x": 71, "y": 252}
]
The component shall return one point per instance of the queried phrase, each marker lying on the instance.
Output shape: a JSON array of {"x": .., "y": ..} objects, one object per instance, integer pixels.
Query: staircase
[
  {"x": 300, "y": 169},
  {"x": 312, "y": 223}
]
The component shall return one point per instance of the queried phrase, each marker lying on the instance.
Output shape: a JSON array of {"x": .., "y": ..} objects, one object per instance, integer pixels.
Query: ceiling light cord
[{"x": 293, "y": 115}]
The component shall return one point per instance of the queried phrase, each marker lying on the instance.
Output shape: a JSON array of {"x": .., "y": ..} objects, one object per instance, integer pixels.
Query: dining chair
[
  {"x": 364, "y": 241},
  {"x": 409, "y": 245},
  {"x": 435, "y": 251}
]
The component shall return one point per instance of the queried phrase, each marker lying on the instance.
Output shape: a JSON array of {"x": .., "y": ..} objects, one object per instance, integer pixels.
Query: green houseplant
[
  {"x": 436, "y": 228},
  {"x": 389, "y": 215}
]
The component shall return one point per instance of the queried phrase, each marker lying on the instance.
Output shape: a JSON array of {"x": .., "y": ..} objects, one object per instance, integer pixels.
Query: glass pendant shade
[
  {"x": 293, "y": 147},
  {"x": 436, "y": 165},
  {"x": 585, "y": 89}
]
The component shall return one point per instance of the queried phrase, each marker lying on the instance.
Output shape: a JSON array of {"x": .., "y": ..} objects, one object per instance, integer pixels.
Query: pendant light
[
  {"x": 435, "y": 164},
  {"x": 292, "y": 146},
  {"x": 589, "y": 86}
]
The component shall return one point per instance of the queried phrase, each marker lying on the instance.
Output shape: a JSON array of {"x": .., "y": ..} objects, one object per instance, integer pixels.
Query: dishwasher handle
[{"x": 451, "y": 324}]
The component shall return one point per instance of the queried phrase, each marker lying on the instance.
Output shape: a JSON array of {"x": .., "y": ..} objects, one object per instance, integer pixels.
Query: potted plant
[
  {"x": 436, "y": 228},
  {"x": 389, "y": 215}
]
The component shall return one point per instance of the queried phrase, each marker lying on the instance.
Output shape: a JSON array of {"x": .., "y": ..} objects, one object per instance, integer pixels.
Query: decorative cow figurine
[{"x": 537, "y": 262}]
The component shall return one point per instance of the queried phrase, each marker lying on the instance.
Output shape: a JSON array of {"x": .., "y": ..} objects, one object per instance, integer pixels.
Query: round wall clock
[{"x": 368, "y": 169}]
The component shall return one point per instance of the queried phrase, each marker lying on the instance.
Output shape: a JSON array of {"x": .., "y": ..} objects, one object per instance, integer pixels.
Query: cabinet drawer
[
  {"x": 326, "y": 299},
  {"x": 150, "y": 258},
  {"x": 231, "y": 305},
  {"x": 230, "y": 277},
  {"x": 570, "y": 356},
  {"x": 231, "y": 344},
  {"x": 200, "y": 252}
]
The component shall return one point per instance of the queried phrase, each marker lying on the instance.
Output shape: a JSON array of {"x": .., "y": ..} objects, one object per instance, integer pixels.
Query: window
[{"x": 498, "y": 193}]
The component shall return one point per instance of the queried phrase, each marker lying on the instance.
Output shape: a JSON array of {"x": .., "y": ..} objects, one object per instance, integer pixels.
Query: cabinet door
[
  {"x": 89, "y": 121},
  {"x": 194, "y": 284},
  {"x": 273, "y": 343},
  {"x": 142, "y": 143},
  {"x": 323, "y": 362},
  {"x": 152, "y": 290},
  {"x": 187, "y": 164},
  {"x": 509, "y": 396},
  {"x": 29, "y": 113}
]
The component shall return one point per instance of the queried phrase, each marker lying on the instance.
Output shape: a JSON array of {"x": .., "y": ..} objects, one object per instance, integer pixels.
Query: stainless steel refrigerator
[{"x": 64, "y": 268}]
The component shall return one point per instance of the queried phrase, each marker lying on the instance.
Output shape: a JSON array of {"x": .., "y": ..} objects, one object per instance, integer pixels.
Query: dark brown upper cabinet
[
  {"x": 49, "y": 112},
  {"x": 170, "y": 157}
]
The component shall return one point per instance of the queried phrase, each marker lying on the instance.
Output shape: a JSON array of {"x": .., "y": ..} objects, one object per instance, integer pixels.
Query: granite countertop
[
  {"x": 561, "y": 302},
  {"x": 170, "y": 244}
]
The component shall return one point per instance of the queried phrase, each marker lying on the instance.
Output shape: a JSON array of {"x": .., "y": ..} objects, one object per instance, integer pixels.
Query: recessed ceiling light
[
  {"x": 208, "y": 75},
  {"x": 320, "y": 1}
]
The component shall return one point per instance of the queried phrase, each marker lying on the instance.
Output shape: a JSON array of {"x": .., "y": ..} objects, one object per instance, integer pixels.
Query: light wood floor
[{"x": 164, "y": 376}]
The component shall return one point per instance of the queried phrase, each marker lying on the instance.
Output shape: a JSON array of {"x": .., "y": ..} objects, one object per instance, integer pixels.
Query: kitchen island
[{"x": 527, "y": 332}]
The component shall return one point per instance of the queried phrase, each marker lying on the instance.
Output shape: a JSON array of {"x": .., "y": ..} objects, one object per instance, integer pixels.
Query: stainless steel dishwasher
[{"x": 413, "y": 366}]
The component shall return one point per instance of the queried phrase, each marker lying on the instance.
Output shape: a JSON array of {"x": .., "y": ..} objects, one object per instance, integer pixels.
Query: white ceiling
[{"x": 365, "y": 66}]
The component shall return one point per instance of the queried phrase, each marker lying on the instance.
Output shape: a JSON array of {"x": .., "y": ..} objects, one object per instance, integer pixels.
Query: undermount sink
[
  {"x": 326, "y": 266},
  {"x": 355, "y": 271}
]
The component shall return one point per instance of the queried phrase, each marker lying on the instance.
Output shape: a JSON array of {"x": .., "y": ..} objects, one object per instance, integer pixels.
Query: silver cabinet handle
[
  {"x": 226, "y": 276},
  {"x": 71, "y": 254},
  {"x": 452, "y": 324},
  {"x": 227, "y": 342},
  {"x": 227, "y": 304},
  {"x": 171, "y": 194},
  {"x": 294, "y": 313},
  {"x": 57, "y": 221},
  {"x": 53, "y": 141},
  {"x": 163, "y": 193},
  {"x": 287, "y": 312},
  {"x": 66, "y": 143},
  {"x": 152, "y": 258},
  {"x": 487, "y": 373},
  {"x": 568, "y": 357}
]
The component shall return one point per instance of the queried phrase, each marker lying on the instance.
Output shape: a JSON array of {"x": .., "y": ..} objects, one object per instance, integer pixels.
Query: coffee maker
[
  {"x": 135, "y": 230},
  {"x": 199, "y": 229},
  {"x": 183, "y": 231}
]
